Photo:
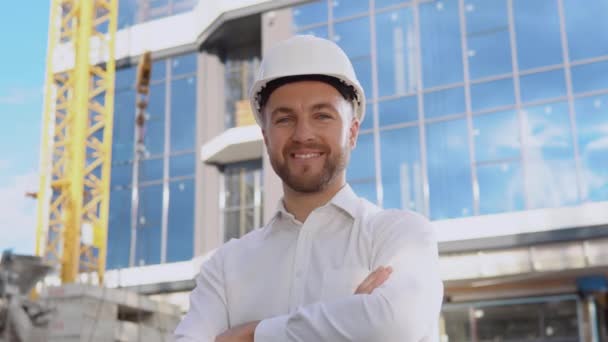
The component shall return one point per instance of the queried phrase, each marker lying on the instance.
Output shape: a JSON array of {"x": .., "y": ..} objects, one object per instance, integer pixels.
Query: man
[{"x": 329, "y": 266}]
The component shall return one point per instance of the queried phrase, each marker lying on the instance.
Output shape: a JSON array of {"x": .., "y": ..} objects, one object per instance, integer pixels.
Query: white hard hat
[{"x": 306, "y": 55}]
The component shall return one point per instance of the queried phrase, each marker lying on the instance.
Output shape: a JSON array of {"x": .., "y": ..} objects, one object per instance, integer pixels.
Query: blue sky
[{"x": 23, "y": 33}]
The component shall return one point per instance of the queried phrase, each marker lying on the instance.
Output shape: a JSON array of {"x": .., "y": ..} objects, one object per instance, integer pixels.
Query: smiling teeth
[{"x": 307, "y": 156}]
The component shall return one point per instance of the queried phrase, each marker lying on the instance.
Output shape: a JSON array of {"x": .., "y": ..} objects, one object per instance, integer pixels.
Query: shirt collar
[{"x": 345, "y": 199}]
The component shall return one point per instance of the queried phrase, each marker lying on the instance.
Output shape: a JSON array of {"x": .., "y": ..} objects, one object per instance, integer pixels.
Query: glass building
[{"x": 490, "y": 117}]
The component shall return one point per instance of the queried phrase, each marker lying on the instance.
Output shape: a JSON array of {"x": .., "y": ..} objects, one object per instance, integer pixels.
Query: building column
[{"x": 209, "y": 123}]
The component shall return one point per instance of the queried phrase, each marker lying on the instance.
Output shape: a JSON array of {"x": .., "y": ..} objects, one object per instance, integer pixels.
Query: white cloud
[{"x": 18, "y": 213}]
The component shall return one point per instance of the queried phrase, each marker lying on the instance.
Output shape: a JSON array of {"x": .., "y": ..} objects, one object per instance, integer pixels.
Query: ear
[{"x": 353, "y": 132}]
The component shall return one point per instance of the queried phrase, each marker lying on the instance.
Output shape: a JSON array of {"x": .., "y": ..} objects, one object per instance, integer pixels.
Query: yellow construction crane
[{"x": 76, "y": 146}]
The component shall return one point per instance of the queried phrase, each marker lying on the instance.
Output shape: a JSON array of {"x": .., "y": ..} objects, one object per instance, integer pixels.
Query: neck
[{"x": 301, "y": 204}]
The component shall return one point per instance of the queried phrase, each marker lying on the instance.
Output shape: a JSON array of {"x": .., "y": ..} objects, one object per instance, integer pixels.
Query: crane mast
[{"x": 76, "y": 146}]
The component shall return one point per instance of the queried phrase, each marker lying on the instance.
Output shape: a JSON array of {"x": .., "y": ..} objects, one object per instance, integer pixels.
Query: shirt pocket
[{"x": 341, "y": 282}]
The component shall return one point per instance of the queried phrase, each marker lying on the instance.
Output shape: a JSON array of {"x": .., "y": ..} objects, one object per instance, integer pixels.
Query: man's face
[{"x": 309, "y": 132}]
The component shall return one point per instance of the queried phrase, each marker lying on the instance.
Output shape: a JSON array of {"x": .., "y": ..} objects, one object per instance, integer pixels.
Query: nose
[{"x": 303, "y": 132}]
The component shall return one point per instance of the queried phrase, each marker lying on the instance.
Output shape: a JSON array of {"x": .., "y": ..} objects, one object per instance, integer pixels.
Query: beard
[{"x": 307, "y": 181}]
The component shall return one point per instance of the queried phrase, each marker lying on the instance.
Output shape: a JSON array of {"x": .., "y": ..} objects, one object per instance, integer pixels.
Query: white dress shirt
[{"x": 299, "y": 278}]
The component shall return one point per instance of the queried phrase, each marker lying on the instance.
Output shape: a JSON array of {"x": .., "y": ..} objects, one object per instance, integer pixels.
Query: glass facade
[
  {"x": 241, "y": 198},
  {"x": 475, "y": 106},
  {"x": 164, "y": 200},
  {"x": 131, "y": 12},
  {"x": 549, "y": 319}
]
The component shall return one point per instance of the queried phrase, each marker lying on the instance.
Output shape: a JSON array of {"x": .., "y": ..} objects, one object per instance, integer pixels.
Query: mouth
[{"x": 306, "y": 156}]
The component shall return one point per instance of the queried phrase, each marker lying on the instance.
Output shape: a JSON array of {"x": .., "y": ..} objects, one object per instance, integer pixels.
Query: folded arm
[{"x": 404, "y": 308}]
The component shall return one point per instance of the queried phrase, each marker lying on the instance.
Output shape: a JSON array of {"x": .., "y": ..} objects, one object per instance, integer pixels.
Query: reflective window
[
  {"x": 496, "y": 136},
  {"x": 365, "y": 189},
  {"x": 440, "y": 43},
  {"x": 550, "y": 166},
  {"x": 368, "y": 120},
  {"x": 121, "y": 174},
  {"x": 151, "y": 170},
  {"x": 489, "y": 54},
  {"x": 183, "y": 110},
  {"x": 347, "y": 8},
  {"x": 124, "y": 125},
  {"x": 159, "y": 70},
  {"x": 397, "y": 70},
  {"x": 400, "y": 110},
  {"x": 449, "y": 170},
  {"x": 309, "y": 14},
  {"x": 154, "y": 132},
  {"x": 500, "y": 187},
  {"x": 387, "y": 3},
  {"x": 119, "y": 229},
  {"x": 492, "y": 94},
  {"x": 522, "y": 319},
  {"x": 590, "y": 77},
  {"x": 317, "y": 31},
  {"x": 125, "y": 78},
  {"x": 586, "y": 27},
  {"x": 147, "y": 249},
  {"x": 361, "y": 172},
  {"x": 239, "y": 75},
  {"x": 401, "y": 170},
  {"x": 131, "y": 12},
  {"x": 184, "y": 64},
  {"x": 363, "y": 70},
  {"x": 180, "y": 245},
  {"x": 544, "y": 85},
  {"x": 360, "y": 167},
  {"x": 353, "y": 37},
  {"x": 444, "y": 102},
  {"x": 592, "y": 127},
  {"x": 537, "y": 45},
  {"x": 488, "y": 38},
  {"x": 242, "y": 207},
  {"x": 181, "y": 165}
]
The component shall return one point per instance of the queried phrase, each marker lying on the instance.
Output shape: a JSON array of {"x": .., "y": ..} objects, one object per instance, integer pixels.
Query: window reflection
[
  {"x": 440, "y": 42},
  {"x": 397, "y": 72},
  {"x": 488, "y": 38},
  {"x": 361, "y": 172},
  {"x": 551, "y": 171},
  {"x": 444, "y": 102},
  {"x": 401, "y": 169},
  {"x": 353, "y": 37},
  {"x": 496, "y": 136},
  {"x": 586, "y": 27},
  {"x": 449, "y": 170},
  {"x": 500, "y": 187},
  {"x": 242, "y": 206},
  {"x": 183, "y": 112},
  {"x": 149, "y": 214},
  {"x": 400, "y": 110},
  {"x": 589, "y": 77},
  {"x": 180, "y": 245},
  {"x": 119, "y": 230},
  {"x": 492, "y": 94},
  {"x": 592, "y": 126},
  {"x": 537, "y": 45},
  {"x": 544, "y": 85},
  {"x": 347, "y": 8},
  {"x": 309, "y": 14}
]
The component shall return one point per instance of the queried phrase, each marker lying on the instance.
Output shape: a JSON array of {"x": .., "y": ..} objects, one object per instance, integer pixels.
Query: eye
[
  {"x": 324, "y": 116},
  {"x": 282, "y": 120}
]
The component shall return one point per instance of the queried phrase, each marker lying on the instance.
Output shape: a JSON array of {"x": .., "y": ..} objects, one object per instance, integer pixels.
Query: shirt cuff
[{"x": 271, "y": 330}]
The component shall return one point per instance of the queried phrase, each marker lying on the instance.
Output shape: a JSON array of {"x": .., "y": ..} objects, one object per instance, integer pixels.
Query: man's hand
[
  {"x": 241, "y": 333},
  {"x": 374, "y": 279}
]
